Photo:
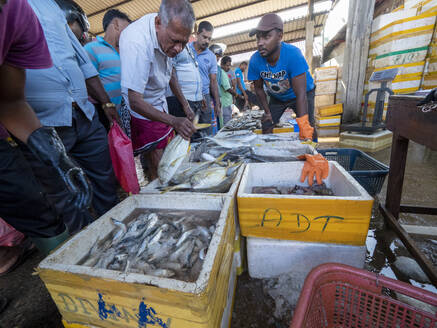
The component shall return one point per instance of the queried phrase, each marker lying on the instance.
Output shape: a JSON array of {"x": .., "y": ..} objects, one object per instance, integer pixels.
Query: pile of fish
[
  {"x": 212, "y": 175},
  {"x": 314, "y": 190},
  {"x": 249, "y": 121},
  {"x": 171, "y": 244},
  {"x": 245, "y": 146}
]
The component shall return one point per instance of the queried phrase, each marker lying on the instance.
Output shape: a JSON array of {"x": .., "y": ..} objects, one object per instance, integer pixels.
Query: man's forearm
[
  {"x": 232, "y": 92},
  {"x": 214, "y": 91},
  {"x": 301, "y": 105},
  {"x": 240, "y": 87},
  {"x": 262, "y": 98},
  {"x": 96, "y": 90},
  {"x": 19, "y": 119},
  {"x": 138, "y": 105}
]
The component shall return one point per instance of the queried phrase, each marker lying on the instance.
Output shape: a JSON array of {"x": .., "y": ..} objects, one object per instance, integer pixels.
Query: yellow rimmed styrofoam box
[
  {"x": 328, "y": 121},
  {"x": 106, "y": 298},
  {"x": 342, "y": 219},
  {"x": 227, "y": 313},
  {"x": 329, "y": 110},
  {"x": 325, "y": 73}
]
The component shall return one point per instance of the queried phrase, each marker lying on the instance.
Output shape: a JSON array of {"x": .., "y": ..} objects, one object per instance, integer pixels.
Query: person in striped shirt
[{"x": 104, "y": 55}]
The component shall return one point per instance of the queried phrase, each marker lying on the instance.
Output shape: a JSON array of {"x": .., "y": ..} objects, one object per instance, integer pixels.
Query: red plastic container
[{"x": 337, "y": 295}]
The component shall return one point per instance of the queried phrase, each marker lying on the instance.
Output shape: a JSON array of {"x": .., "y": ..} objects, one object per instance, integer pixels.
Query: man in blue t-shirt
[{"x": 283, "y": 70}]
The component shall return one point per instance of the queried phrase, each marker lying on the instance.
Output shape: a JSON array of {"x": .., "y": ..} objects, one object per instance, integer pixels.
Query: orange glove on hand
[
  {"x": 305, "y": 129},
  {"x": 315, "y": 166}
]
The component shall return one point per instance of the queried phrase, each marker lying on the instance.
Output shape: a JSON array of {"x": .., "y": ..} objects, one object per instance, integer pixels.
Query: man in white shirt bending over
[{"x": 146, "y": 49}]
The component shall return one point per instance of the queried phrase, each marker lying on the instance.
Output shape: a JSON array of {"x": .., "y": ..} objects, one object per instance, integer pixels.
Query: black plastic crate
[{"x": 369, "y": 172}]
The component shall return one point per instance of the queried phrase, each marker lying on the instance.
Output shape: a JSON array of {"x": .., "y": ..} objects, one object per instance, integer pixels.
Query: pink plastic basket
[{"x": 336, "y": 295}]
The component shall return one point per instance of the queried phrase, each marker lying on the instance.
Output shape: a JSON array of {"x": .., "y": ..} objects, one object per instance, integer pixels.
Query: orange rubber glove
[
  {"x": 305, "y": 129},
  {"x": 316, "y": 166}
]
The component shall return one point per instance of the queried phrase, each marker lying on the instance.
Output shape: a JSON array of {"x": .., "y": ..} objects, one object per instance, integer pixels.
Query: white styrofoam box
[
  {"x": 429, "y": 6},
  {"x": 325, "y": 73},
  {"x": 278, "y": 174},
  {"x": 324, "y": 100},
  {"x": 406, "y": 25},
  {"x": 400, "y": 51},
  {"x": 66, "y": 257},
  {"x": 386, "y": 19},
  {"x": 227, "y": 313},
  {"x": 326, "y": 87},
  {"x": 269, "y": 258},
  {"x": 330, "y": 131}
]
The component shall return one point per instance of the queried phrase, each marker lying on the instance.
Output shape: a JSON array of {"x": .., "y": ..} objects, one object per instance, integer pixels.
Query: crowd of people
[{"x": 60, "y": 93}]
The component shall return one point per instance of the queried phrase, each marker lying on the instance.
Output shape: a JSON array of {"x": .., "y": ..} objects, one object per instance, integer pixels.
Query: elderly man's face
[{"x": 173, "y": 37}]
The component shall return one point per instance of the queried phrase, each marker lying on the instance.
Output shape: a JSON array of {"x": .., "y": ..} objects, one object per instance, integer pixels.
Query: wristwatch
[{"x": 108, "y": 105}]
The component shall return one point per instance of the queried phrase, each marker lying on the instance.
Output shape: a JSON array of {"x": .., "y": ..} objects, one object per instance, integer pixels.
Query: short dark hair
[
  {"x": 243, "y": 63},
  {"x": 205, "y": 25},
  {"x": 225, "y": 60},
  {"x": 111, "y": 14}
]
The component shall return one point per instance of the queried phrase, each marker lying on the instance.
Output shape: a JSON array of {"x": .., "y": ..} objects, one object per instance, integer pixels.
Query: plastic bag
[
  {"x": 122, "y": 156},
  {"x": 9, "y": 237}
]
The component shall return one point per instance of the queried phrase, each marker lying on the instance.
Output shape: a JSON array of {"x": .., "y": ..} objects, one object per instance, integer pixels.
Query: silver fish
[
  {"x": 172, "y": 158},
  {"x": 122, "y": 229},
  {"x": 185, "y": 236},
  {"x": 162, "y": 273},
  {"x": 202, "y": 253}
]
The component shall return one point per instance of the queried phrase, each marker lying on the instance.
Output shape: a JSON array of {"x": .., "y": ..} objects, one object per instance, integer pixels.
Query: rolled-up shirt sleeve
[
  {"x": 135, "y": 66},
  {"x": 84, "y": 61}
]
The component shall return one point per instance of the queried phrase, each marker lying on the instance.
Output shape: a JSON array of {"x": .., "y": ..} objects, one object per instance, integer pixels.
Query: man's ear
[
  {"x": 116, "y": 24},
  {"x": 157, "y": 21}
]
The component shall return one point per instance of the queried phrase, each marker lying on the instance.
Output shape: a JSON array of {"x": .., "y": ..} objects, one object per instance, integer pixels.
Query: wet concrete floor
[{"x": 30, "y": 305}]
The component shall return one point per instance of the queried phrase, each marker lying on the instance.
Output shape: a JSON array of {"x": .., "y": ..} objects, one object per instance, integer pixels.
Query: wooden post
[
  {"x": 358, "y": 30},
  {"x": 309, "y": 34}
]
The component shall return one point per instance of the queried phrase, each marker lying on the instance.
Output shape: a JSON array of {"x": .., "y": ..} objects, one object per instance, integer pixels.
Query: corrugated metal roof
[
  {"x": 293, "y": 31},
  {"x": 218, "y": 12}
]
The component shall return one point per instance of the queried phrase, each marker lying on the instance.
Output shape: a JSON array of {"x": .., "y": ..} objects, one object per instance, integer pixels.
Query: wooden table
[{"x": 407, "y": 122}]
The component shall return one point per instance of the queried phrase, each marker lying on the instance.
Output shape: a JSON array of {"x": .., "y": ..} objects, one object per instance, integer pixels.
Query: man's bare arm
[
  {"x": 215, "y": 92},
  {"x": 15, "y": 113},
  {"x": 299, "y": 84},
  {"x": 181, "y": 124},
  {"x": 261, "y": 95}
]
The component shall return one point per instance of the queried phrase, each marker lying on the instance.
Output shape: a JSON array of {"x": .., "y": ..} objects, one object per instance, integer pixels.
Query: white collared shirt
[{"x": 145, "y": 68}]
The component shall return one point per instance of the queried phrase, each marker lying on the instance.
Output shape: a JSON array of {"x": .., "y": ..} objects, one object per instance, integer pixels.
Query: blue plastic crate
[{"x": 369, "y": 172}]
